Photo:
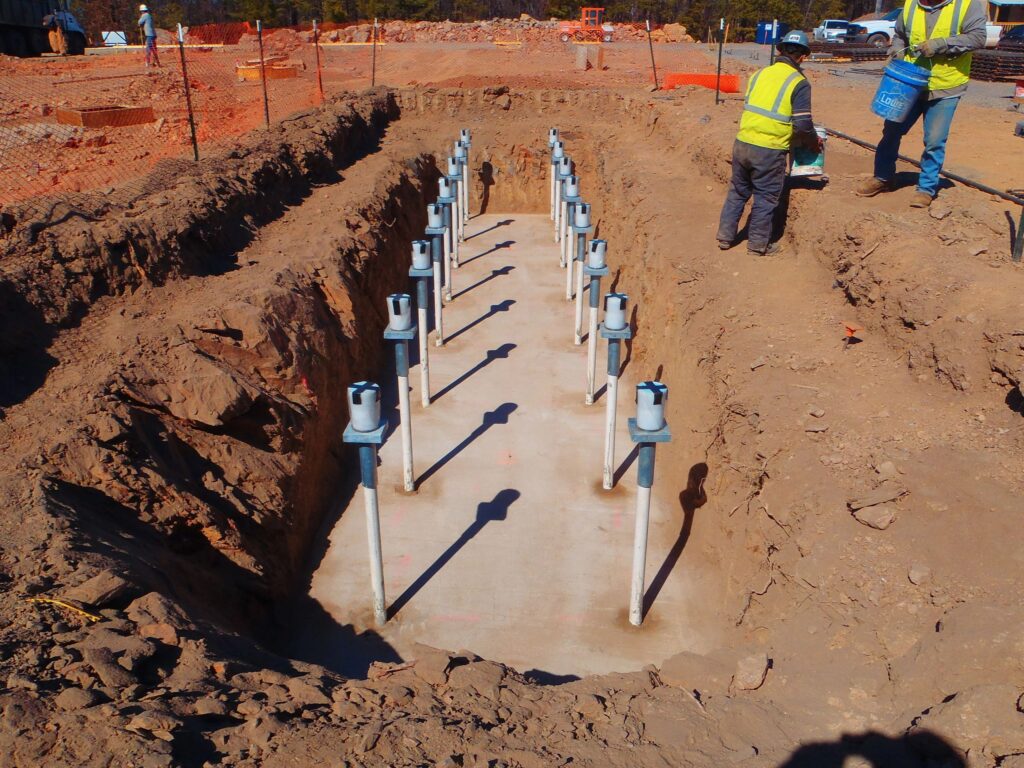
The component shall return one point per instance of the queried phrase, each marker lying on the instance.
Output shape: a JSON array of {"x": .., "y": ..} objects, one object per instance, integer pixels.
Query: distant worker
[
  {"x": 149, "y": 32},
  {"x": 940, "y": 36},
  {"x": 776, "y": 113}
]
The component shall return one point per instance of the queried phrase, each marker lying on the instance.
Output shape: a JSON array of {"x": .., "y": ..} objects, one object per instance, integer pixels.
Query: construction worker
[
  {"x": 777, "y": 112},
  {"x": 149, "y": 32},
  {"x": 940, "y": 36}
]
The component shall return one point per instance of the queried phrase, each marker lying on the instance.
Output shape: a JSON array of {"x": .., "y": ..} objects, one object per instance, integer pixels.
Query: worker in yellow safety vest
[
  {"x": 940, "y": 36},
  {"x": 776, "y": 113}
]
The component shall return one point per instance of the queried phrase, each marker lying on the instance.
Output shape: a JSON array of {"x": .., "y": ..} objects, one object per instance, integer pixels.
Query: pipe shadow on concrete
[
  {"x": 502, "y": 223},
  {"x": 495, "y": 511},
  {"x": 498, "y": 416},
  {"x": 501, "y": 272},
  {"x": 501, "y": 353},
  {"x": 492, "y": 249},
  {"x": 626, "y": 464},
  {"x": 691, "y": 499},
  {"x": 503, "y": 306}
]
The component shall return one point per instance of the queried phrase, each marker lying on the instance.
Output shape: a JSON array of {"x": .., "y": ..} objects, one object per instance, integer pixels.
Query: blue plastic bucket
[{"x": 901, "y": 85}]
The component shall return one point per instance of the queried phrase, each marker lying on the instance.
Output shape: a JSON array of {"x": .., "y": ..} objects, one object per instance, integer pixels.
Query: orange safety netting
[{"x": 728, "y": 83}]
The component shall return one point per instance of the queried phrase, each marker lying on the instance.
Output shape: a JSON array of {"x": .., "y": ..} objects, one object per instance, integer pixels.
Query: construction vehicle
[
  {"x": 590, "y": 28},
  {"x": 34, "y": 27}
]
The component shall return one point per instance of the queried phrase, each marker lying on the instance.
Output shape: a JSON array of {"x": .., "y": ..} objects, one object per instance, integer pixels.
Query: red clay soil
[{"x": 172, "y": 406}]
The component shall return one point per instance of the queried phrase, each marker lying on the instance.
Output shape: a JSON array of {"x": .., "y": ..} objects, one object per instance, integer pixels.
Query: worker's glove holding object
[{"x": 930, "y": 48}]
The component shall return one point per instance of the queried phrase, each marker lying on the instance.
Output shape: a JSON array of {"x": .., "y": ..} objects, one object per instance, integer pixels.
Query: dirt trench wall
[{"x": 52, "y": 269}]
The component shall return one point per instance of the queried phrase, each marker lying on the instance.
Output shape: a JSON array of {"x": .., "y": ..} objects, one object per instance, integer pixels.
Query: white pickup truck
[{"x": 879, "y": 32}]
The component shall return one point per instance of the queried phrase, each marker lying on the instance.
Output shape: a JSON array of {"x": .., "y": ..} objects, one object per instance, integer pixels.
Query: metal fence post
[
  {"x": 373, "y": 71},
  {"x": 319, "y": 74},
  {"x": 188, "y": 93},
  {"x": 263, "y": 74}
]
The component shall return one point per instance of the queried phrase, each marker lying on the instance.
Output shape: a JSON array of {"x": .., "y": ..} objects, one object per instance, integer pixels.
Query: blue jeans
[{"x": 938, "y": 115}]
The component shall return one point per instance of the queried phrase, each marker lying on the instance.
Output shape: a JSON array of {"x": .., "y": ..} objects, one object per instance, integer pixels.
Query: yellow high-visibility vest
[
  {"x": 768, "y": 111},
  {"x": 945, "y": 72}
]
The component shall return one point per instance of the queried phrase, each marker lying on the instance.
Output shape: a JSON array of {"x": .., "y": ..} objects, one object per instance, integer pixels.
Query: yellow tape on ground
[{"x": 62, "y": 604}]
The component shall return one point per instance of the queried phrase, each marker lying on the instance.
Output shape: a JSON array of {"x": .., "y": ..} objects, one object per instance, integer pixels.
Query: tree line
[{"x": 697, "y": 15}]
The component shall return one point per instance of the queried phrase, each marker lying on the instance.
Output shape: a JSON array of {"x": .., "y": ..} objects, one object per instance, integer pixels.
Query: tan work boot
[
  {"x": 920, "y": 200},
  {"x": 872, "y": 187}
]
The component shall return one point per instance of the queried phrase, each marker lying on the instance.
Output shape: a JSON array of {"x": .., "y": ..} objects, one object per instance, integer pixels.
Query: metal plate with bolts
[
  {"x": 595, "y": 271},
  {"x": 413, "y": 272},
  {"x": 582, "y": 230},
  {"x": 434, "y": 230},
  {"x": 638, "y": 435}
]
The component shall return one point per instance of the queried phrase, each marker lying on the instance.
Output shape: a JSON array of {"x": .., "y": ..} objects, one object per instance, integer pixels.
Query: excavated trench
[{"x": 205, "y": 464}]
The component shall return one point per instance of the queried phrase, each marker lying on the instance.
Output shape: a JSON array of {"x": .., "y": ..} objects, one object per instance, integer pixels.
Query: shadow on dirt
[{"x": 920, "y": 749}]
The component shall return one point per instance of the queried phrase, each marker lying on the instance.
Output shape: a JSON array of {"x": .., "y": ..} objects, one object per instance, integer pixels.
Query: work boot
[
  {"x": 724, "y": 245},
  {"x": 920, "y": 200},
  {"x": 768, "y": 250},
  {"x": 872, "y": 187}
]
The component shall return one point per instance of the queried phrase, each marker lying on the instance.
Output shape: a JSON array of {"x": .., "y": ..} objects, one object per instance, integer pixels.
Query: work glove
[{"x": 931, "y": 48}]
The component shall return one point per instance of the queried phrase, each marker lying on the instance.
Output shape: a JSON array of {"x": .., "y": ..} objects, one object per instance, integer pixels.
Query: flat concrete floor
[{"x": 509, "y": 548}]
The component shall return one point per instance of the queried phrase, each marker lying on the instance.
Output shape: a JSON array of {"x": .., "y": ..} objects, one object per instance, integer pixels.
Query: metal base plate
[
  {"x": 407, "y": 335},
  {"x": 428, "y": 272},
  {"x": 595, "y": 271},
  {"x": 582, "y": 230},
  {"x": 637, "y": 435},
  {"x": 376, "y": 437},
  {"x": 608, "y": 333},
  {"x": 434, "y": 230}
]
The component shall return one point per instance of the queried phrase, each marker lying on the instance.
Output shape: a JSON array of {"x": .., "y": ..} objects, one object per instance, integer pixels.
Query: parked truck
[{"x": 34, "y": 27}]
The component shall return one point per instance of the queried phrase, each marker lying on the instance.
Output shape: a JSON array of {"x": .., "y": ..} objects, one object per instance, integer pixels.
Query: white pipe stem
[
  {"x": 579, "y": 303},
  {"x": 569, "y": 266},
  {"x": 438, "y": 307},
  {"x": 421, "y": 317},
  {"x": 551, "y": 212},
  {"x": 591, "y": 356},
  {"x": 611, "y": 397},
  {"x": 465, "y": 189},
  {"x": 643, "y": 519},
  {"x": 558, "y": 200},
  {"x": 567, "y": 238},
  {"x": 380, "y": 613},
  {"x": 447, "y": 256},
  {"x": 559, "y": 219},
  {"x": 405, "y": 413}
]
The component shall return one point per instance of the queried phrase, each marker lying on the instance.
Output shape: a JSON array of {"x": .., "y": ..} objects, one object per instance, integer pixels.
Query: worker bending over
[
  {"x": 776, "y": 113},
  {"x": 940, "y": 36}
]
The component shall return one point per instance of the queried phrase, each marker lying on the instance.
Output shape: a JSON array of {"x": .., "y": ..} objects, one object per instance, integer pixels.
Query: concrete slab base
[{"x": 509, "y": 548}]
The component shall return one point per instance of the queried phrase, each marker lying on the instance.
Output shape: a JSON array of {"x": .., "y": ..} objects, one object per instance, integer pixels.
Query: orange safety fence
[
  {"x": 728, "y": 84},
  {"x": 77, "y": 124}
]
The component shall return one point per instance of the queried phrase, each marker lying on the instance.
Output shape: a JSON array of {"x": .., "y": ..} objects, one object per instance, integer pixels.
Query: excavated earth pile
[{"x": 172, "y": 383}]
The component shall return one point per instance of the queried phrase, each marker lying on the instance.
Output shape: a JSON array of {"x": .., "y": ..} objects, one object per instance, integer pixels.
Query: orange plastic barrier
[{"x": 729, "y": 83}]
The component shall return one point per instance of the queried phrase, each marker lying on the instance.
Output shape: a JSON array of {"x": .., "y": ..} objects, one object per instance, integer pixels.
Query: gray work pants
[{"x": 759, "y": 172}]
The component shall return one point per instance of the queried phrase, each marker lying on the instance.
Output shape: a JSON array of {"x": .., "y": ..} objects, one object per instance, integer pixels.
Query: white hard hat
[{"x": 143, "y": 7}]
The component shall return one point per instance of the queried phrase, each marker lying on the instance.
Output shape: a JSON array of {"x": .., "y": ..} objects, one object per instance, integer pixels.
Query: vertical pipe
[
  {"x": 319, "y": 74},
  {"x": 650, "y": 45},
  {"x": 581, "y": 255},
  {"x": 188, "y": 94},
  {"x": 445, "y": 242},
  {"x": 595, "y": 295},
  {"x": 1018, "y": 245},
  {"x": 456, "y": 213},
  {"x": 611, "y": 401},
  {"x": 405, "y": 413},
  {"x": 773, "y": 41},
  {"x": 263, "y": 74},
  {"x": 553, "y": 174},
  {"x": 567, "y": 239},
  {"x": 435, "y": 255},
  {"x": 636, "y": 592},
  {"x": 558, "y": 197},
  {"x": 373, "y": 70},
  {"x": 559, "y": 220},
  {"x": 721, "y": 44},
  {"x": 368, "y": 470},
  {"x": 465, "y": 187},
  {"x": 645, "y": 480},
  {"x": 421, "y": 319},
  {"x": 570, "y": 265}
]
